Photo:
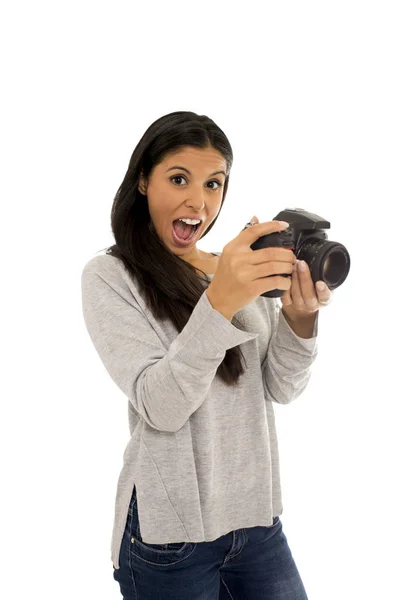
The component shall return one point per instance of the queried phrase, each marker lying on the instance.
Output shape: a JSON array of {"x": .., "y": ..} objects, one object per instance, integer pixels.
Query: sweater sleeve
[
  {"x": 286, "y": 367},
  {"x": 164, "y": 385}
]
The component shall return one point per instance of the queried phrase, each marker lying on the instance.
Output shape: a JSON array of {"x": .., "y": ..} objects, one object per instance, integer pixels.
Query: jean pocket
[{"x": 162, "y": 554}]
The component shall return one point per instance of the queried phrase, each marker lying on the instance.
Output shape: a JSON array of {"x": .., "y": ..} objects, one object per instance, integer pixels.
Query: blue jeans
[{"x": 247, "y": 564}]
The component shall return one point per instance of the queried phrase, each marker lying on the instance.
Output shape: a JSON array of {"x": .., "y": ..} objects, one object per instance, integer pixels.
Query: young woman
[{"x": 201, "y": 358}]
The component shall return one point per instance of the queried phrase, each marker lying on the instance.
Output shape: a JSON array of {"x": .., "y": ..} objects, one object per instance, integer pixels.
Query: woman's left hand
[{"x": 303, "y": 298}]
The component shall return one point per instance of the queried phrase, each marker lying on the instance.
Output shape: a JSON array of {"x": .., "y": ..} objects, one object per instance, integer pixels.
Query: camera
[{"x": 328, "y": 261}]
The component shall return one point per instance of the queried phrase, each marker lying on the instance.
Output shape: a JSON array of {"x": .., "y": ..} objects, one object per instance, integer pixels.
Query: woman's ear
[{"x": 142, "y": 185}]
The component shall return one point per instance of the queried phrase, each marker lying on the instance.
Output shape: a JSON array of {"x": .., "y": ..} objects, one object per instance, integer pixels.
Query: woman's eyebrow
[{"x": 187, "y": 171}]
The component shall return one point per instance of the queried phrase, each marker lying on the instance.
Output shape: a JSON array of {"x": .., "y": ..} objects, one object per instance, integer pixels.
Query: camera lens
[{"x": 327, "y": 260}]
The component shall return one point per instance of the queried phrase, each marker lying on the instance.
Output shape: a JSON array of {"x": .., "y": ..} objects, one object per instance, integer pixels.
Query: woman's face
[{"x": 173, "y": 192}]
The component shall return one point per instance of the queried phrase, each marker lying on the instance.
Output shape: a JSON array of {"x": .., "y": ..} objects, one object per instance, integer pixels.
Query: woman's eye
[
  {"x": 177, "y": 177},
  {"x": 216, "y": 181},
  {"x": 213, "y": 181}
]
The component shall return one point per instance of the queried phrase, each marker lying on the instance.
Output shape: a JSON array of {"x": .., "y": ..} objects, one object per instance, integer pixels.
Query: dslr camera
[{"x": 328, "y": 261}]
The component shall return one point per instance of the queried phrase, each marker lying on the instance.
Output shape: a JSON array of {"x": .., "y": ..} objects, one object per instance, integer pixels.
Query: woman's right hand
[{"x": 243, "y": 274}]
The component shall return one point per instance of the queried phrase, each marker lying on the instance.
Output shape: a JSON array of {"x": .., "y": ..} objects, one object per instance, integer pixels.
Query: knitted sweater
[{"x": 203, "y": 455}]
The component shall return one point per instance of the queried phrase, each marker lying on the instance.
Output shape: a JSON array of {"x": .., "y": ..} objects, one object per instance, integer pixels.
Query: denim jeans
[{"x": 246, "y": 564}]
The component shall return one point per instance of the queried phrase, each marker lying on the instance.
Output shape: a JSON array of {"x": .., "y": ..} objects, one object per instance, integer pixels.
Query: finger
[
  {"x": 286, "y": 299},
  {"x": 295, "y": 290},
  {"x": 308, "y": 291},
  {"x": 252, "y": 233},
  {"x": 325, "y": 295}
]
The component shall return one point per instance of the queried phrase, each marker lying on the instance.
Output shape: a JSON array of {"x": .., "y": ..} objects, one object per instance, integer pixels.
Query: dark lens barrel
[{"x": 328, "y": 261}]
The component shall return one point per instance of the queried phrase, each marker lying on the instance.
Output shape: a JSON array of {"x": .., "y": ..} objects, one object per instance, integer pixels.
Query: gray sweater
[{"x": 202, "y": 455}]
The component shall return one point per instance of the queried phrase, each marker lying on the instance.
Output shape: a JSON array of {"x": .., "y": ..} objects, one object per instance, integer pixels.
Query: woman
[{"x": 198, "y": 501}]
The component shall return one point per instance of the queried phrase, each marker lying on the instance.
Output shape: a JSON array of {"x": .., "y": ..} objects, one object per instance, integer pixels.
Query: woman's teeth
[{"x": 190, "y": 221}]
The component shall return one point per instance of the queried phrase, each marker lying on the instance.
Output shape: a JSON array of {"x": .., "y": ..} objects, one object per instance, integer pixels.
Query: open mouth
[{"x": 183, "y": 233}]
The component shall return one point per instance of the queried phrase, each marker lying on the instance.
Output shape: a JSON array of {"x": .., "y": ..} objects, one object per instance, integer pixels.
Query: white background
[{"x": 307, "y": 93}]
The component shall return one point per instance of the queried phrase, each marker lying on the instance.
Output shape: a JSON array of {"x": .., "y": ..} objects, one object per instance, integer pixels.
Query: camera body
[{"x": 328, "y": 261}]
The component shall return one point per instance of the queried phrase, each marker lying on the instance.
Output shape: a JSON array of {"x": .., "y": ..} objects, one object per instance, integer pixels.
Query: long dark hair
[{"x": 171, "y": 286}]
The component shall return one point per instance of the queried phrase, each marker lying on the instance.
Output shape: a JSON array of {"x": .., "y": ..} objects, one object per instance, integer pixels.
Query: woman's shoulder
[{"x": 102, "y": 263}]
